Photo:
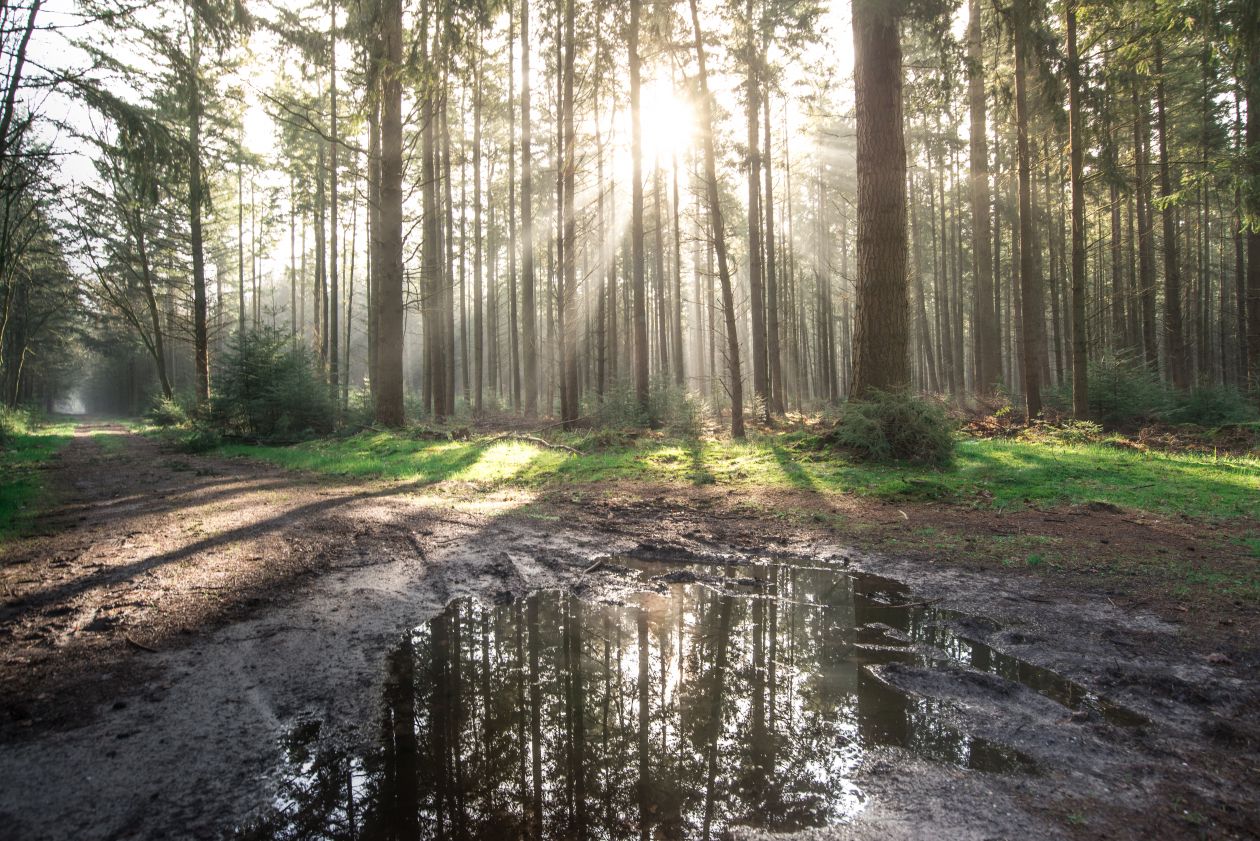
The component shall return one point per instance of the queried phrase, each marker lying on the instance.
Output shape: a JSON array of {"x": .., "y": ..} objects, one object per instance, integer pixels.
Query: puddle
[{"x": 734, "y": 696}]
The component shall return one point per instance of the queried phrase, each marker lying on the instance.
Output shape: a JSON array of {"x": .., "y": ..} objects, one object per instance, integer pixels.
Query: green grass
[
  {"x": 20, "y": 485},
  {"x": 986, "y": 473}
]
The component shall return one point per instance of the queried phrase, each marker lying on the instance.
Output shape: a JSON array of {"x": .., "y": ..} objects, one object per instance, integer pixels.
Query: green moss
[{"x": 20, "y": 481}]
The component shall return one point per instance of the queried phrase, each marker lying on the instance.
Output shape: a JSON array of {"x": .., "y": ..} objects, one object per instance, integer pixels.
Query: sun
[{"x": 668, "y": 123}]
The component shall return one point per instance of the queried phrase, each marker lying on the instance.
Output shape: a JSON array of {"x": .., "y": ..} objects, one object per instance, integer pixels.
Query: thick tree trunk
[
  {"x": 389, "y": 300},
  {"x": 881, "y": 339}
]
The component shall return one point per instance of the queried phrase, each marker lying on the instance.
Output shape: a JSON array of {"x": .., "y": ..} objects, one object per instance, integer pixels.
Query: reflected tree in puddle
[{"x": 746, "y": 699}]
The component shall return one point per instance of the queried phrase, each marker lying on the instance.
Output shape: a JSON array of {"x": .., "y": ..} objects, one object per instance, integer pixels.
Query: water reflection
[{"x": 746, "y": 699}]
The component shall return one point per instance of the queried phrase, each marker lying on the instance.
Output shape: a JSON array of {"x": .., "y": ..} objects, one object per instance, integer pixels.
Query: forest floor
[{"x": 168, "y": 605}]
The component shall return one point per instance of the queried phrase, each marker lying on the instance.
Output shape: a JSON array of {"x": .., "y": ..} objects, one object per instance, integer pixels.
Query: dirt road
[{"x": 178, "y": 614}]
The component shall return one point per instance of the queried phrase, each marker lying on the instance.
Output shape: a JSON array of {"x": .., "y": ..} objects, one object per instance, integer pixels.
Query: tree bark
[
  {"x": 1146, "y": 234},
  {"x": 1080, "y": 376},
  {"x": 718, "y": 231},
  {"x": 1174, "y": 330},
  {"x": 774, "y": 356},
  {"x": 201, "y": 344},
  {"x": 1032, "y": 305},
  {"x": 389, "y": 299},
  {"x": 478, "y": 325},
  {"x": 1253, "y": 202},
  {"x": 987, "y": 344},
  {"x": 881, "y": 359},
  {"x": 641, "y": 382},
  {"x": 756, "y": 288},
  {"x": 334, "y": 295},
  {"x": 569, "y": 361},
  {"x": 529, "y": 325}
]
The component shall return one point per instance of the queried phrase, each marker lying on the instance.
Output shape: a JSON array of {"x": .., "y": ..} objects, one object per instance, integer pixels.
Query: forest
[{"x": 613, "y": 418}]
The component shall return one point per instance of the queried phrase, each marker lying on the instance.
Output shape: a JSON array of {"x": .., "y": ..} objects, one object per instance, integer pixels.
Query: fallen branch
[{"x": 532, "y": 439}]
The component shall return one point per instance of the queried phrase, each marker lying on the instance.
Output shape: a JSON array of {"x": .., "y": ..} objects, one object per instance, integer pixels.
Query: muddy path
[{"x": 177, "y": 615}]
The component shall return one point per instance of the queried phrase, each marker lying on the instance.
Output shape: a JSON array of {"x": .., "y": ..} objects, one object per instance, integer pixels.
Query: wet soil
[{"x": 178, "y": 617}]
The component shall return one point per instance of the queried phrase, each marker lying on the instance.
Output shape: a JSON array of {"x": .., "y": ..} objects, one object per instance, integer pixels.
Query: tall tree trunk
[
  {"x": 756, "y": 289},
  {"x": 1120, "y": 338},
  {"x": 1146, "y": 233},
  {"x": 775, "y": 358},
  {"x": 677, "y": 319},
  {"x": 514, "y": 344},
  {"x": 389, "y": 299},
  {"x": 447, "y": 235},
  {"x": 641, "y": 382},
  {"x": 881, "y": 340},
  {"x": 375, "y": 254},
  {"x": 530, "y": 338},
  {"x": 334, "y": 295},
  {"x": 987, "y": 344},
  {"x": 240, "y": 240},
  {"x": 920, "y": 304},
  {"x": 1174, "y": 330},
  {"x": 1032, "y": 304},
  {"x": 570, "y": 409},
  {"x": 321, "y": 260},
  {"x": 718, "y": 232},
  {"x": 433, "y": 275},
  {"x": 478, "y": 326},
  {"x": 201, "y": 343},
  {"x": 293, "y": 279},
  {"x": 606, "y": 262},
  {"x": 1080, "y": 383},
  {"x": 1253, "y": 198}
]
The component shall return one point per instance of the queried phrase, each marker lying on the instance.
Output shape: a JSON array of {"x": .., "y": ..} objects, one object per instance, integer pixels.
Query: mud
[{"x": 169, "y": 720}]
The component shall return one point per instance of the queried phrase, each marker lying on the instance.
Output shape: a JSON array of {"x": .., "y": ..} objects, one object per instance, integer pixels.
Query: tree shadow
[{"x": 796, "y": 475}]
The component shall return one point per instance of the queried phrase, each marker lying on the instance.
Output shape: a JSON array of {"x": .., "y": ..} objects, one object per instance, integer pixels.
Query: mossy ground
[
  {"x": 21, "y": 486},
  {"x": 997, "y": 474}
]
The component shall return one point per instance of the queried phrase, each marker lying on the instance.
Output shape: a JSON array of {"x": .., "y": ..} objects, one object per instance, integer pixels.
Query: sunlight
[
  {"x": 668, "y": 123},
  {"x": 668, "y": 126}
]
